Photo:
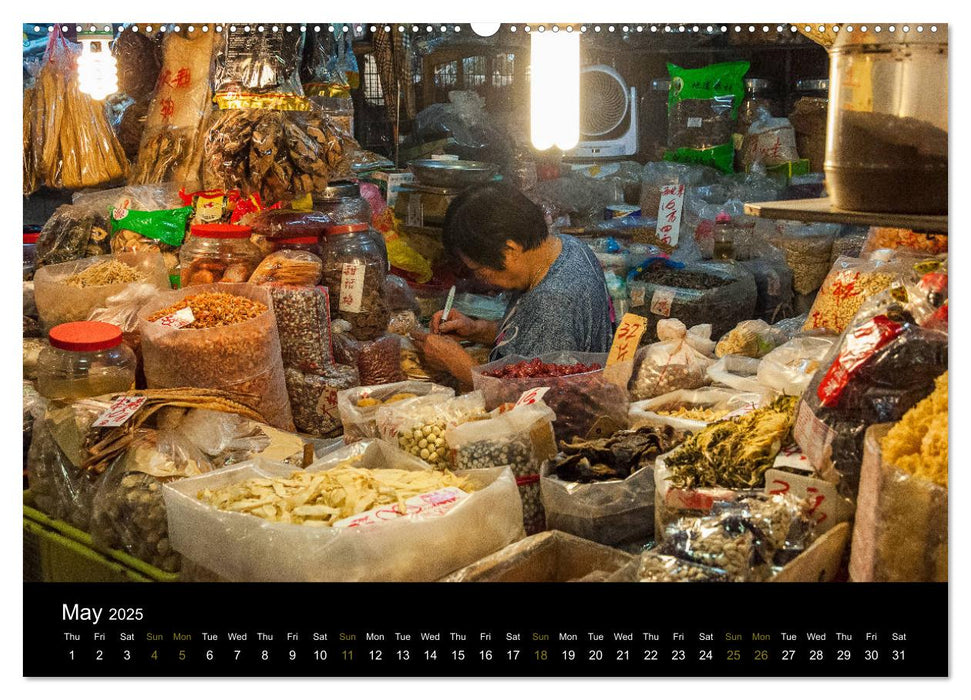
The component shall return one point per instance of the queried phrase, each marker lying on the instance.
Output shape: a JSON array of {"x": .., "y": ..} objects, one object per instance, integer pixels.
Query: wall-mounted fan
[{"x": 608, "y": 114}]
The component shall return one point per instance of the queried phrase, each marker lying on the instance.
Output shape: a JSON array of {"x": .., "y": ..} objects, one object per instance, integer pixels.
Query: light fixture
[
  {"x": 554, "y": 90},
  {"x": 97, "y": 69}
]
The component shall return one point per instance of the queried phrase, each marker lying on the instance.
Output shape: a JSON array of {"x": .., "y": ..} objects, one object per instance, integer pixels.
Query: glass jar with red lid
[
  {"x": 85, "y": 358},
  {"x": 218, "y": 253},
  {"x": 354, "y": 272}
]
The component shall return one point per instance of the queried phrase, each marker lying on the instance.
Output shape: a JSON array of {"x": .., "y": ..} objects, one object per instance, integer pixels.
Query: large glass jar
[
  {"x": 85, "y": 358},
  {"x": 354, "y": 272},
  {"x": 808, "y": 119},
  {"x": 886, "y": 144},
  {"x": 759, "y": 94},
  {"x": 341, "y": 202},
  {"x": 218, "y": 253}
]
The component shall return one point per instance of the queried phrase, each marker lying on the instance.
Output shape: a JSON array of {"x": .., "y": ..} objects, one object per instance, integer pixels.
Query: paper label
[
  {"x": 792, "y": 457},
  {"x": 209, "y": 210},
  {"x": 637, "y": 294},
  {"x": 814, "y": 437},
  {"x": 352, "y": 287},
  {"x": 120, "y": 410},
  {"x": 327, "y": 403},
  {"x": 427, "y": 505},
  {"x": 627, "y": 338},
  {"x": 669, "y": 214},
  {"x": 414, "y": 215},
  {"x": 826, "y": 507},
  {"x": 179, "y": 319},
  {"x": 694, "y": 122},
  {"x": 662, "y": 301},
  {"x": 532, "y": 396}
]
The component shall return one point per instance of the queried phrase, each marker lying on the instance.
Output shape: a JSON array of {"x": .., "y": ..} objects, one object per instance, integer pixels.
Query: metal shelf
[{"x": 822, "y": 210}]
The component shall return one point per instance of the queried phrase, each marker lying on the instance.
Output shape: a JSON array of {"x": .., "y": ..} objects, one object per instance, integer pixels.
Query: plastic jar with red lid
[
  {"x": 218, "y": 253},
  {"x": 354, "y": 272},
  {"x": 85, "y": 358}
]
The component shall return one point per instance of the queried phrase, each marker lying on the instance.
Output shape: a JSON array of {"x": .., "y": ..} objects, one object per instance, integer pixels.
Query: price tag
[
  {"x": 637, "y": 294},
  {"x": 826, "y": 507},
  {"x": 627, "y": 338},
  {"x": 427, "y": 505},
  {"x": 532, "y": 396},
  {"x": 179, "y": 319},
  {"x": 669, "y": 214},
  {"x": 662, "y": 301},
  {"x": 120, "y": 410},
  {"x": 352, "y": 287},
  {"x": 694, "y": 122}
]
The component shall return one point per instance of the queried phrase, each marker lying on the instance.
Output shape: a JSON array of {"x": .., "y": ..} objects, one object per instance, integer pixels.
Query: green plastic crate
[{"x": 56, "y": 551}]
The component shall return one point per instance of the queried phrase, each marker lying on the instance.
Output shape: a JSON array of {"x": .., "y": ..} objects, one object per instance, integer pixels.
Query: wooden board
[
  {"x": 822, "y": 210},
  {"x": 821, "y": 562}
]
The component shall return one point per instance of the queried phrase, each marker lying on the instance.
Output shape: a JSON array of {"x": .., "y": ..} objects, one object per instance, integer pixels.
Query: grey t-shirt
[{"x": 569, "y": 309}]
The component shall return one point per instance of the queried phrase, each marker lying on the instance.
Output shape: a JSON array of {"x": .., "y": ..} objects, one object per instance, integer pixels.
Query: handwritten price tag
[
  {"x": 179, "y": 319},
  {"x": 669, "y": 213},
  {"x": 120, "y": 410},
  {"x": 662, "y": 301},
  {"x": 532, "y": 396},
  {"x": 627, "y": 338},
  {"x": 427, "y": 505}
]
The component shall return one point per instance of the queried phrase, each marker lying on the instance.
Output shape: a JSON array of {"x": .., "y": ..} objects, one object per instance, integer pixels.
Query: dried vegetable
[
  {"x": 108, "y": 272},
  {"x": 323, "y": 498},
  {"x": 734, "y": 453},
  {"x": 616, "y": 457},
  {"x": 212, "y": 310}
]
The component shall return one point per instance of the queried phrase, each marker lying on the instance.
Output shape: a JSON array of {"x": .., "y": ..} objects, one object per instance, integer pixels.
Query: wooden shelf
[{"x": 822, "y": 210}]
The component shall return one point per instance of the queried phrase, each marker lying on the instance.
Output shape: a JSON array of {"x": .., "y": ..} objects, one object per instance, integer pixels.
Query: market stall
[{"x": 234, "y": 286}]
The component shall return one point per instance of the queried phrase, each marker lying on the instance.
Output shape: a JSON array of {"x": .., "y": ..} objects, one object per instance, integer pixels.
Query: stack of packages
[{"x": 303, "y": 318}]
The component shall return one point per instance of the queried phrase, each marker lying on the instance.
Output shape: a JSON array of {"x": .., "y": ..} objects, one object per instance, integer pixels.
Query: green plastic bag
[
  {"x": 703, "y": 106},
  {"x": 165, "y": 226}
]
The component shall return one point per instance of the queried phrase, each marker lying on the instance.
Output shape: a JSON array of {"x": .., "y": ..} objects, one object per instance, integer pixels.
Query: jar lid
[
  {"x": 301, "y": 240},
  {"x": 339, "y": 189},
  {"x": 814, "y": 85},
  {"x": 345, "y": 228},
  {"x": 723, "y": 217},
  {"x": 220, "y": 231},
  {"x": 85, "y": 336},
  {"x": 31, "y": 237}
]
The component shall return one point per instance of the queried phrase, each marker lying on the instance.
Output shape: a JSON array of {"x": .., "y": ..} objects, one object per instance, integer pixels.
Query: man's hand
[{"x": 440, "y": 352}]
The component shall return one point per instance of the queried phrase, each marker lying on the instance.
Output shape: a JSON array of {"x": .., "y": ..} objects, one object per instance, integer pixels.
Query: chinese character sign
[{"x": 669, "y": 214}]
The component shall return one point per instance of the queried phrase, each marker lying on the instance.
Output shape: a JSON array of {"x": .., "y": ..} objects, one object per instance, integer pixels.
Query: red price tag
[
  {"x": 532, "y": 396},
  {"x": 179, "y": 319},
  {"x": 120, "y": 410}
]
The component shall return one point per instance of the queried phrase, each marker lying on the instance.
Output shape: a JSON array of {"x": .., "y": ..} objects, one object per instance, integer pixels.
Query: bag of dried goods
[
  {"x": 303, "y": 324},
  {"x": 70, "y": 291},
  {"x": 128, "y": 511},
  {"x": 418, "y": 425},
  {"x": 69, "y": 234},
  {"x": 379, "y": 361},
  {"x": 358, "y": 406},
  {"x": 720, "y": 294},
  {"x": 583, "y": 399},
  {"x": 679, "y": 360},
  {"x": 59, "y": 485},
  {"x": 139, "y": 60},
  {"x": 769, "y": 141},
  {"x": 692, "y": 410},
  {"x": 660, "y": 174},
  {"x": 258, "y": 69},
  {"x": 74, "y": 145},
  {"x": 850, "y": 283},
  {"x": 790, "y": 367},
  {"x": 900, "y": 533},
  {"x": 754, "y": 338},
  {"x": 738, "y": 372},
  {"x": 122, "y": 309},
  {"x": 773, "y": 284},
  {"x": 603, "y": 489},
  {"x": 226, "y": 340},
  {"x": 520, "y": 439},
  {"x": 171, "y": 147},
  {"x": 348, "y": 531},
  {"x": 849, "y": 243},
  {"x": 807, "y": 248},
  {"x": 702, "y": 108},
  {"x": 288, "y": 268},
  {"x": 901, "y": 238},
  {"x": 313, "y": 397}
]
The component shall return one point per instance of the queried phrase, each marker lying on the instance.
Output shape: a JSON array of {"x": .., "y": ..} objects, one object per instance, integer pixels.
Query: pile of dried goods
[
  {"x": 212, "y": 310},
  {"x": 538, "y": 369},
  {"x": 616, "y": 457},
  {"x": 102, "y": 274},
  {"x": 918, "y": 443}
]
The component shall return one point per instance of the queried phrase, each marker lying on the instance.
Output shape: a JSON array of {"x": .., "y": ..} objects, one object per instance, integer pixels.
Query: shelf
[{"x": 822, "y": 210}]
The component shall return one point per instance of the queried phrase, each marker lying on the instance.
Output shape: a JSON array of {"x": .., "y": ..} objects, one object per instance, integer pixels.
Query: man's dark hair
[{"x": 481, "y": 219}]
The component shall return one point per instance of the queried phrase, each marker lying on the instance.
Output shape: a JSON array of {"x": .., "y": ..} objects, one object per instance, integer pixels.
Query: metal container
[{"x": 452, "y": 173}]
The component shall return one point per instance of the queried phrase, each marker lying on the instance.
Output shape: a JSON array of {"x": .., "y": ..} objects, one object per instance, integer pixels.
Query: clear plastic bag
[
  {"x": 678, "y": 361},
  {"x": 754, "y": 338},
  {"x": 243, "y": 359},
  {"x": 879, "y": 238},
  {"x": 358, "y": 406},
  {"x": 67, "y": 234},
  {"x": 807, "y": 248},
  {"x": 297, "y": 268},
  {"x": 60, "y": 302},
  {"x": 379, "y": 361},
  {"x": 128, "y": 512},
  {"x": 582, "y": 402},
  {"x": 122, "y": 310},
  {"x": 847, "y": 286},
  {"x": 520, "y": 439},
  {"x": 242, "y": 547},
  {"x": 426, "y": 419},
  {"x": 257, "y": 69},
  {"x": 303, "y": 324},
  {"x": 790, "y": 367},
  {"x": 769, "y": 141},
  {"x": 398, "y": 295},
  {"x": 849, "y": 243},
  {"x": 313, "y": 397},
  {"x": 701, "y": 407},
  {"x": 738, "y": 372},
  {"x": 773, "y": 282}
]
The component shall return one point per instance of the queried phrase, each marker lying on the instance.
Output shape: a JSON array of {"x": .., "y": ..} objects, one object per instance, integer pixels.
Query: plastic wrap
[
  {"x": 790, "y": 367},
  {"x": 257, "y": 69},
  {"x": 241, "y": 547},
  {"x": 139, "y": 63},
  {"x": 297, "y": 268},
  {"x": 903, "y": 239},
  {"x": 721, "y": 294},
  {"x": 582, "y": 402},
  {"x": 122, "y": 310},
  {"x": 720, "y": 402},
  {"x": 289, "y": 223},
  {"x": 67, "y": 235},
  {"x": 769, "y": 141},
  {"x": 58, "y": 484},
  {"x": 652, "y": 567},
  {"x": 379, "y": 361},
  {"x": 679, "y": 361},
  {"x": 519, "y": 439},
  {"x": 847, "y": 286},
  {"x": 59, "y": 302},
  {"x": 313, "y": 397},
  {"x": 807, "y": 248},
  {"x": 171, "y": 147},
  {"x": 546, "y": 557},
  {"x": 773, "y": 282},
  {"x": 303, "y": 324},
  {"x": 128, "y": 511},
  {"x": 243, "y": 359},
  {"x": 358, "y": 406},
  {"x": 738, "y": 372},
  {"x": 901, "y": 527},
  {"x": 426, "y": 419},
  {"x": 753, "y": 338}
]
